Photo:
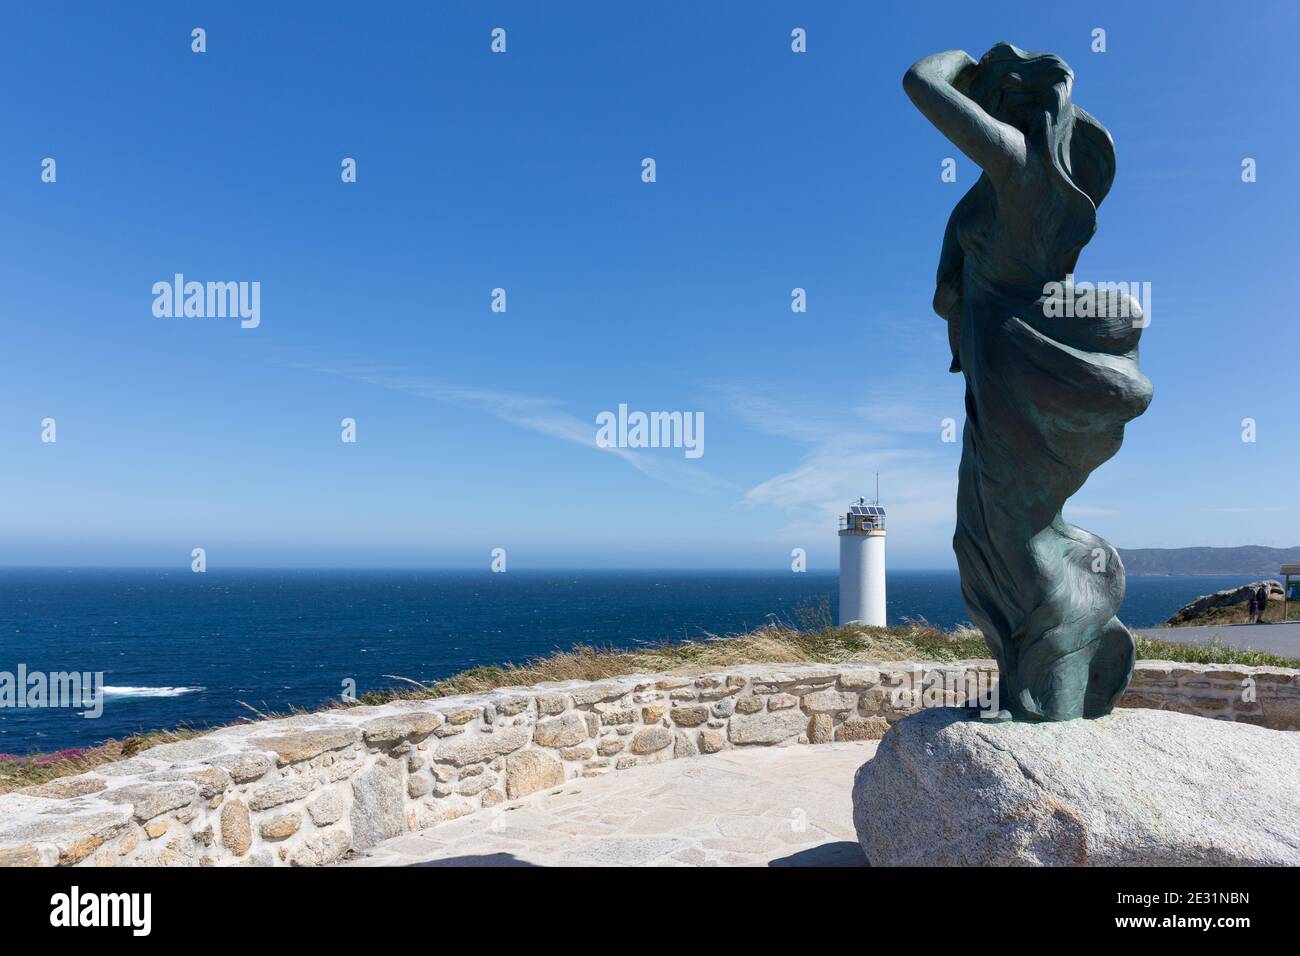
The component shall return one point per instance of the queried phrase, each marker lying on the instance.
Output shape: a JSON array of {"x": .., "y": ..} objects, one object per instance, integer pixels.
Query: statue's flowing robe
[{"x": 1046, "y": 403}]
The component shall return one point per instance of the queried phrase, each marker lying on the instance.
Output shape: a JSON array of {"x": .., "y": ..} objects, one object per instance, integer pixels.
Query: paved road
[
  {"x": 1279, "y": 638},
  {"x": 772, "y": 806}
]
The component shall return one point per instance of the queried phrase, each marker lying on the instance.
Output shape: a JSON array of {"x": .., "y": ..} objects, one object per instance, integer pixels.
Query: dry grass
[
  {"x": 809, "y": 638},
  {"x": 773, "y": 644},
  {"x": 16, "y": 772}
]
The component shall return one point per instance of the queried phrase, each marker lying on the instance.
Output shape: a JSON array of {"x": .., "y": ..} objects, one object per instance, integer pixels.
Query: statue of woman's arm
[{"x": 935, "y": 84}]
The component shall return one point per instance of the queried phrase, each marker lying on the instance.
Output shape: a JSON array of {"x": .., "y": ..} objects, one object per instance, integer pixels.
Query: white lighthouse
[{"x": 862, "y": 565}]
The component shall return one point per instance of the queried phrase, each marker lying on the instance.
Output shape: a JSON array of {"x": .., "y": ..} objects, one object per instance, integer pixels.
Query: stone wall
[
  {"x": 306, "y": 790},
  {"x": 1265, "y": 696}
]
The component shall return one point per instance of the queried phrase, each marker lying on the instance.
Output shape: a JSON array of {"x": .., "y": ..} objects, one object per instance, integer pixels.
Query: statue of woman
[{"x": 1047, "y": 395}]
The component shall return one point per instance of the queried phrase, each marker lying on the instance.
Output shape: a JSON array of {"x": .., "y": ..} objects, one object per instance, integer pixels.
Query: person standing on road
[{"x": 1261, "y": 602}]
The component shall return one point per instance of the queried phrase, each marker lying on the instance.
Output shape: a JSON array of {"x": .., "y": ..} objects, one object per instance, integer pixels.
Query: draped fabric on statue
[
  {"x": 1046, "y": 403},
  {"x": 1040, "y": 416}
]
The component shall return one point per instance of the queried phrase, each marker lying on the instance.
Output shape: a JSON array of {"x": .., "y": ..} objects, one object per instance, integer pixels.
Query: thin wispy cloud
[
  {"x": 545, "y": 416},
  {"x": 891, "y": 429},
  {"x": 845, "y": 450}
]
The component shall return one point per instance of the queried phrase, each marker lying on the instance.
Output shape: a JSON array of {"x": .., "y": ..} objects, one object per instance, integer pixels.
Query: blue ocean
[{"x": 178, "y": 648}]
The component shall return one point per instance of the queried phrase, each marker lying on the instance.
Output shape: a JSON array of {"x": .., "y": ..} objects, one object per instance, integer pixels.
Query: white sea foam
[{"x": 120, "y": 692}]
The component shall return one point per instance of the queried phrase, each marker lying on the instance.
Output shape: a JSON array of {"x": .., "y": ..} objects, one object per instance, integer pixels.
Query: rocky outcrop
[
  {"x": 1135, "y": 788},
  {"x": 305, "y": 790},
  {"x": 1229, "y": 597}
]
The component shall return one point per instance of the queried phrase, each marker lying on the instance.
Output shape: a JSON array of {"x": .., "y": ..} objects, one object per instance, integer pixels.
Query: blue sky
[{"x": 522, "y": 171}]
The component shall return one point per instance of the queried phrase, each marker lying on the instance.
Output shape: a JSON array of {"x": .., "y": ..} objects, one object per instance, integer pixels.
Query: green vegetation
[{"x": 1149, "y": 650}]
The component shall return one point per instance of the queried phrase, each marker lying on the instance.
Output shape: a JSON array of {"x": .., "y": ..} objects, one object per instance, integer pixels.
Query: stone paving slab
[{"x": 779, "y": 806}]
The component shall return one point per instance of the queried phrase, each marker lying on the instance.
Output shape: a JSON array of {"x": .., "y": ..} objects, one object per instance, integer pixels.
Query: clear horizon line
[
  {"x": 574, "y": 569},
  {"x": 828, "y": 569}
]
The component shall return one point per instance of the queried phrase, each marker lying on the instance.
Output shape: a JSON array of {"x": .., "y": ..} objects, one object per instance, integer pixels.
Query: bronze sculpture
[{"x": 1047, "y": 397}]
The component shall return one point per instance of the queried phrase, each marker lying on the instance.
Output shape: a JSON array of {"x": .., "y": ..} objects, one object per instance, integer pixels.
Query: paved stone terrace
[{"x": 779, "y": 806}]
